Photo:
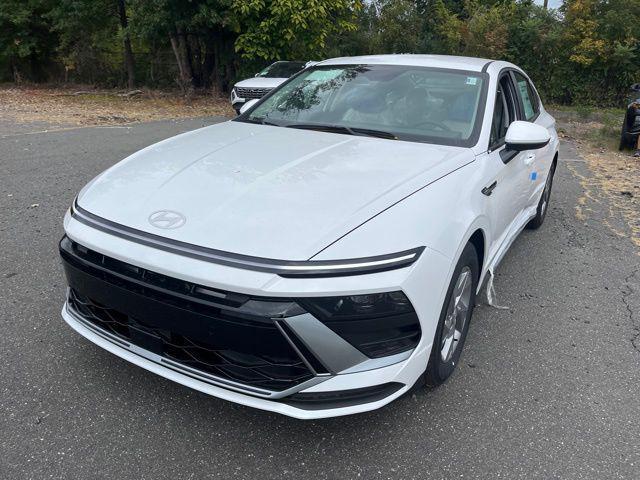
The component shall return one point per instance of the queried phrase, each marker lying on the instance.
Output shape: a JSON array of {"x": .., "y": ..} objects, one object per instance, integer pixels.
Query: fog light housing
[{"x": 379, "y": 324}]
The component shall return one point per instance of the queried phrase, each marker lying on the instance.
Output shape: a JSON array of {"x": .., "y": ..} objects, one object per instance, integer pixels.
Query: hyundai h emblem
[{"x": 167, "y": 219}]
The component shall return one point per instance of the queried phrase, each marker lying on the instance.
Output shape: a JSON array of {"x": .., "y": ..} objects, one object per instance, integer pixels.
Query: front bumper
[
  {"x": 366, "y": 385},
  {"x": 142, "y": 359},
  {"x": 240, "y": 95}
]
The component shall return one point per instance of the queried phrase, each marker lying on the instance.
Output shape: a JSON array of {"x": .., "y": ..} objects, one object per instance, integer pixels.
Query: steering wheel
[{"x": 438, "y": 126}]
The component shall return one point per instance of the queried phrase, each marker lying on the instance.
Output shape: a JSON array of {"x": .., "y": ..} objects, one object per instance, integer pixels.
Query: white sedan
[{"x": 320, "y": 254}]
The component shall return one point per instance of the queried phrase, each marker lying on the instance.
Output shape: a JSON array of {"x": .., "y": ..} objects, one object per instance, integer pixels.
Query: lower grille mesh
[{"x": 269, "y": 372}]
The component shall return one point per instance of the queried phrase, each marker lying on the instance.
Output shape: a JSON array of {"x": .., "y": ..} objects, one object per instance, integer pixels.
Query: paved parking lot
[{"x": 548, "y": 388}]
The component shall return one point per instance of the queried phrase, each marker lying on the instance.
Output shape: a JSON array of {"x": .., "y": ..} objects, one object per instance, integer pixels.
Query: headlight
[
  {"x": 379, "y": 324},
  {"x": 376, "y": 304}
]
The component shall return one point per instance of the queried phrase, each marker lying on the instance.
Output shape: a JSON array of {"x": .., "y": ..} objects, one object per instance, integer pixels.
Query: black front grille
[
  {"x": 181, "y": 321},
  {"x": 261, "y": 371},
  {"x": 251, "y": 93}
]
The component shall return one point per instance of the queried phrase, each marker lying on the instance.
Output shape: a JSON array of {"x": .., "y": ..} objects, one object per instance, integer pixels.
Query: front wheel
[{"x": 454, "y": 319}]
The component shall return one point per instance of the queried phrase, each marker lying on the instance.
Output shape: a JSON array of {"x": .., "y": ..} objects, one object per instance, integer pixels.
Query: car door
[
  {"x": 506, "y": 173},
  {"x": 538, "y": 161}
]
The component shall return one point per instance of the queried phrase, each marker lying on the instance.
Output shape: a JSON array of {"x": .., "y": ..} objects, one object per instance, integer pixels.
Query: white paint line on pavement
[
  {"x": 64, "y": 129},
  {"x": 82, "y": 127}
]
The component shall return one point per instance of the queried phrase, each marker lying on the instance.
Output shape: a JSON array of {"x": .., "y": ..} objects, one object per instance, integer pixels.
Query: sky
[{"x": 552, "y": 3}]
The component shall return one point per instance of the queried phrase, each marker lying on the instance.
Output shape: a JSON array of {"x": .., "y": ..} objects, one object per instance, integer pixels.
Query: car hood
[
  {"x": 260, "y": 82},
  {"x": 265, "y": 191}
]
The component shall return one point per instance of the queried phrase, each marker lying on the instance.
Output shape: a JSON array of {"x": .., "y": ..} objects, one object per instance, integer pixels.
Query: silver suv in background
[{"x": 263, "y": 82}]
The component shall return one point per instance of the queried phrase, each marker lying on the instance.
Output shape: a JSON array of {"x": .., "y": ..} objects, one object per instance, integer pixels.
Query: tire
[
  {"x": 543, "y": 205},
  {"x": 443, "y": 361},
  {"x": 623, "y": 135}
]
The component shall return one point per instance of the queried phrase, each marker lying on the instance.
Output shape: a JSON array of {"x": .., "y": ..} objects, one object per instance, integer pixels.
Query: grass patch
[{"x": 600, "y": 127}]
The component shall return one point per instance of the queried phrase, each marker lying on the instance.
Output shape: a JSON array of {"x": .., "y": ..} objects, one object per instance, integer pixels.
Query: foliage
[
  {"x": 604, "y": 46},
  {"x": 86, "y": 45},
  {"x": 297, "y": 29},
  {"x": 399, "y": 27},
  {"x": 587, "y": 52},
  {"x": 26, "y": 40}
]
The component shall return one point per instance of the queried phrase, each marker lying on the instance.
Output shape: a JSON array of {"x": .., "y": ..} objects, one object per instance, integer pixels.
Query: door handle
[
  {"x": 489, "y": 190},
  {"x": 528, "y": 160}
]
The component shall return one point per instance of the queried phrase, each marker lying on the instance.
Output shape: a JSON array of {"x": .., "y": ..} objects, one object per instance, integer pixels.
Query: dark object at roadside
[{"x": 631, "y": 124}]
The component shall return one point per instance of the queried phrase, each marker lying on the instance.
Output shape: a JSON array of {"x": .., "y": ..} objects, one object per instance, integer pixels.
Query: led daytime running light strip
[{"x": 284, "y": 268}]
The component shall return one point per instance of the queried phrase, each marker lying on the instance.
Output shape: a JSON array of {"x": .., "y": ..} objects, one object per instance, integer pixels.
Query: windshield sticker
[{"x": 472, "y": 80}]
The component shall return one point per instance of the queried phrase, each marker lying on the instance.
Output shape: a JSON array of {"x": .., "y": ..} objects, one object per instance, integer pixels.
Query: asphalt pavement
[{"x": 547, "y": 388}]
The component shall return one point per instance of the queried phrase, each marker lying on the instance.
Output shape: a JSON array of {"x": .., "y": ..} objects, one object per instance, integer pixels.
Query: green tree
[
  {"x": 200, "y": 33},
  {"x": 588, "y": 51},
  {"x": 275, "y": 29},
  {"x": 604, "y": 44},
  {"x": 363, "y": 40},
  {"x": 486, "y": 33},
  {"x": 27, "y": 42},
  {"x": 400, "y": 26},
  {"x": 88, "y": 44},
  {"x": 444, "y": 29},
  {"x": 536, "y": 45}
]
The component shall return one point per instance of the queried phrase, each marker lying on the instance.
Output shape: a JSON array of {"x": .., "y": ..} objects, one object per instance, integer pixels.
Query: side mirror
[
  {"x": 523, "y": 136},
  {"x": 248, "y": 105}
]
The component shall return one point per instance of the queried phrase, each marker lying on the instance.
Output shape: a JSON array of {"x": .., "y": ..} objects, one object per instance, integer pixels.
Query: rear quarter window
[{"x": 530, "y": 100}]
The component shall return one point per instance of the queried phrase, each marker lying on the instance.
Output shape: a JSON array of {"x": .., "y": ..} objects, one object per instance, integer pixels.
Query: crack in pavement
[
  {"x": 594, "y": 194},
  {"x": 627, "y": 290}
]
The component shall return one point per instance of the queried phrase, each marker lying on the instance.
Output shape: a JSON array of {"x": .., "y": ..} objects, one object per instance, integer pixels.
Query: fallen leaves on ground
[
  {"x": 74, "y": 106},
  {"x": 616, "y": 174}
]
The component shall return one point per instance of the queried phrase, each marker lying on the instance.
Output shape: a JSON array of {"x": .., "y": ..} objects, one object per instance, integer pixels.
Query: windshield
[
  {"x": 403, "y": 102},
  {"x": 281, "y": 70}
]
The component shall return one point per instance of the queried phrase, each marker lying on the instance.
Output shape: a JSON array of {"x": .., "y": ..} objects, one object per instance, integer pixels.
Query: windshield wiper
[
  {"x": 375, "y": 133},
  {"x": 262, "y": 121},
  {"x": 343, "y": 129}
]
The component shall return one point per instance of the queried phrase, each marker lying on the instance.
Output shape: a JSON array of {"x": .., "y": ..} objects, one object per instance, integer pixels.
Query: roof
[{"x": 435, "y": 61}]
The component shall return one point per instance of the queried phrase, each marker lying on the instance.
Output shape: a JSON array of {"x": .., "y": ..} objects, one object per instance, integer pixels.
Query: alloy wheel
[
  {"x": 457, "y": 313},
  {"x": 545, "y": 196}
]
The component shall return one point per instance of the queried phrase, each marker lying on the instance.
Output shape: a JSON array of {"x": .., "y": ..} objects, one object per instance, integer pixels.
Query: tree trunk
[
  {"x": 17, "y": 78},
  {"x": 217, "y": 52},
  {"x": 185, "y": 79},
  {"x": 128, "y": 52},
  {"x": 195, "y": 53},
  {"x": 176, "y": 51},
  {"x": 208, "y": 64},
  {"x": 185, "y": 52},
  {"x": 233, "y": 64},
  {"x": 546, "y": 4}
]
